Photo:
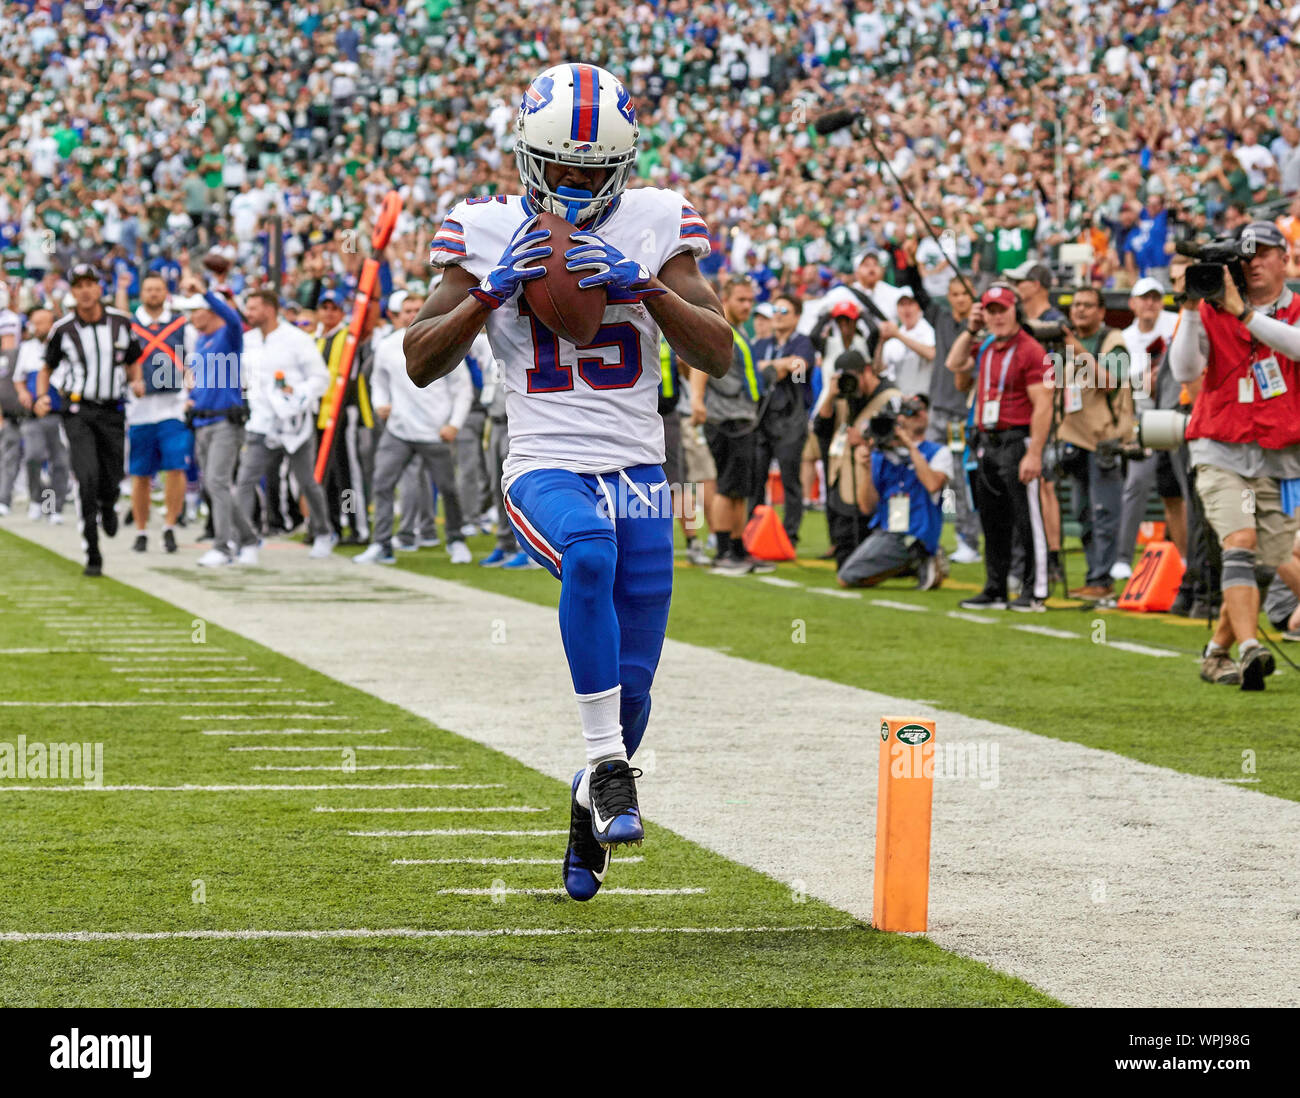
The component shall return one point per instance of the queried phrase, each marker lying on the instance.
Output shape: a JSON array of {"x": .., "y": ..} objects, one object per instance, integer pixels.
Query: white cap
[
  {"x": 764, "y": 309},
  {"x": 906, "y": 291},
  {"x": 395, "y": 300},
  {"x": 189, "y": 303},
  {"x": 1147, "y": 285}
]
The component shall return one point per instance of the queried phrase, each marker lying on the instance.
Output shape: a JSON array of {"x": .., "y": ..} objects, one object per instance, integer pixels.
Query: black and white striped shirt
[{"x": 89, "y": 358}]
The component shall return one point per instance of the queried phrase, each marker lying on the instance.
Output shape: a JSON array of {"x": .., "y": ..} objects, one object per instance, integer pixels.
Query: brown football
[
  {"x": 217, "y": 262},
  {"x": 555, "y": 299}
]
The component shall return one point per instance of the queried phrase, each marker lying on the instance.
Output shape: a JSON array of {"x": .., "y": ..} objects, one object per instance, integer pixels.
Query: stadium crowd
[{"x": 245, "y": 147}]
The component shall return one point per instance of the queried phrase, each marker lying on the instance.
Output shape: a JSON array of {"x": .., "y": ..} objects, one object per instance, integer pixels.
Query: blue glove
[
  {"x": 512, "y": 268},
  {"x": 624, "y": 277}
]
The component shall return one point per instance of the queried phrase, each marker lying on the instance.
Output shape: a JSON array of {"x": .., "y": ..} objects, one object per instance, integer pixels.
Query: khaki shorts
[
  {"x": 699, "y": 462},
  {"x": 1235, "y": 502},
  {"x": 812, "y": 449}
]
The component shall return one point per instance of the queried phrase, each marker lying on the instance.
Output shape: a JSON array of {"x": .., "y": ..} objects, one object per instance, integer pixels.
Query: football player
[{"x": 583, "y": 484}]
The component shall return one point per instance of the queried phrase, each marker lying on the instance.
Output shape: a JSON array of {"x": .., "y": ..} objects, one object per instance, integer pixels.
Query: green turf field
[
  {"x": 200, "y": 860},
  {"x": 1086, "y": 687}
]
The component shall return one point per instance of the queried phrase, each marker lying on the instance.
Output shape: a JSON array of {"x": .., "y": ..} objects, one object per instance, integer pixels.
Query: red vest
[{"x": 1219, "y": 414}]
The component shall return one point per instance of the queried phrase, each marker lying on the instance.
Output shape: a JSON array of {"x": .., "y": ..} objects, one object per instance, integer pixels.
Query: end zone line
[{"x": 398, "y": 932}]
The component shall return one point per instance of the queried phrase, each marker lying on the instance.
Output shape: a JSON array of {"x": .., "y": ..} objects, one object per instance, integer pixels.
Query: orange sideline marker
[{"x": 903, "y": 800}]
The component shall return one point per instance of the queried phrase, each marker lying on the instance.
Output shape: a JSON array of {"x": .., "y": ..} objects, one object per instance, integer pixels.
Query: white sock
[
  {"x": 600, "y": 724},
  {"x": 1246, "y": 645}
]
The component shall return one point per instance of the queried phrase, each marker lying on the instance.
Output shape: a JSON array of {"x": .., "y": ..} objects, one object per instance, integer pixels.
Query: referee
[{"x": 88, "y": 358}]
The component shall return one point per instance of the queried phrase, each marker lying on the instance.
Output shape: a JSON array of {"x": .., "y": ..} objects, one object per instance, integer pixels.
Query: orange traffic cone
[{"x": 765, "y": 537}]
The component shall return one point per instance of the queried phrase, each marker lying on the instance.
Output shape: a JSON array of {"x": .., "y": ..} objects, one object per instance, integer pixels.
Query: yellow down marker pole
[{"x": 903, "y": 799}]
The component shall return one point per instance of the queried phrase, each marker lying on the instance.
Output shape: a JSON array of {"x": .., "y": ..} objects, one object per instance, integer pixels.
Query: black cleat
[
  {"x": 984, "y": 601},
  {"x": 93, "y": 568},
  {"x": 141, "y": 544},
  {"x": 615, "y": 815},
  {"x": 1256, "y": 665},
  {"x": 108, "y": 520},
  {"x": 585, "y": 861},
  {"x": 169, "y": 541}
]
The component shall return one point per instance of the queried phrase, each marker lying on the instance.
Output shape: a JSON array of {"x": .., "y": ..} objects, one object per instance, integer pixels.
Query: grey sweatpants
[
  {"x": 254, "y": 460},
  {"x": 11, "y": 446},
  {"x": 498, "y": 445},
  {"x": 967, "y": 518},
  {"x": 1098, "y": 499},
  {"x": 391, "y": 459},
  {"x": 472, "y": 477},
  {"x": 882, "y": 555},
  {"x": 216, "y": 447},
  {"x": 419, "y": 512},
  {"x": 43, "y": 443}
]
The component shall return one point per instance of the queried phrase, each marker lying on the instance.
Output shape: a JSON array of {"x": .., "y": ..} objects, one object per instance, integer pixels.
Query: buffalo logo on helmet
[
  {"x": 539, "y": 93},
  {"x": 624, "y": 104}
]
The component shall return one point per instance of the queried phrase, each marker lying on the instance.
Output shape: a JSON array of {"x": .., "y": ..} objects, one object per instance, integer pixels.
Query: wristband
[{"x": 1245, "y": 314}]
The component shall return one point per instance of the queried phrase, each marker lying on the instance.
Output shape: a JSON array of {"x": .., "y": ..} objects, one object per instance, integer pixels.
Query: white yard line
[
  {"x": 777, "y": 581},
  {"x": 1145, "y": 650},
  {"x": 327, "y": 750},
  {"x": 1074, "y": 868},
  {"x": 190, "y": 672},
  {"x": 133, "y": 704},
  {"x": 178, "y": 659},
  {"x": 889, "y": 604},
  {"x": 396, "y": 932},
  {"x": 977, "y": 619},
  {"x": 833, "y": 592},
  {"x": 1047, "y": 631},
  {"x": 230, "y": 690}
]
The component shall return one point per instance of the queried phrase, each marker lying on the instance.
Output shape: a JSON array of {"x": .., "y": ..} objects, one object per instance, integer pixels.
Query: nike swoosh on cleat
[{"x": 601, "y": 825}]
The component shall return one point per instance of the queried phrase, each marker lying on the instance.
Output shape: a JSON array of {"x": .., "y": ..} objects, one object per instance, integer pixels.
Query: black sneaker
[
  {"x": 585, "y": 861},
  {"x": 169, "y": 541},
  {"x": 760, "y": 567},
  {"x": 108, "y": 520},
  {"x": 1027, "y": 604},
  {"x": 141, "y": 544},
  {"x": 1256, "y": 665},
  {"x": 615, "y": 815},
  {"x": 983, "y": 601},
  {"x": 94, "y": 567},
  {"x": 1182, "y": 605}
]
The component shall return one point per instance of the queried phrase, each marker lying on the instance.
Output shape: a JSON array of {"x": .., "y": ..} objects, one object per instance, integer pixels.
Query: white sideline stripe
[
  {"x": 976, "y": 618},
  {"x": 777, "y": 581},
  {"x": 501, "y": 861},
  {"x": 1143, "y": 650},
  {"x": 1244, "y": 780},
  {"x": 232, "y": 690},
  {"x": 188, "y": 669},
  {"x": 890, "y": 605},
  {"x": 267, "y": 717},
  {"x": 177, "y": 659},
  {"x": 449, "y": 831},
  {"x": 348, "y": 770},
  {"x": 834, "y": 592},
  {"x": 441, "y": 807},
  {"x": 191, "y": 671},
  {"x": 446, "y": 785},
  {"x": 331, "y": 750},
  {"x": 396, "y": 932},
  {"x": 1045, "y": 631},
  {"x": 220, "y": 789},
  {"x": 293, "y": 731},
  {"x": 39, "y": 651},
  {"x": 97, "y": 704},
  {"x": 560, "y": 891}
]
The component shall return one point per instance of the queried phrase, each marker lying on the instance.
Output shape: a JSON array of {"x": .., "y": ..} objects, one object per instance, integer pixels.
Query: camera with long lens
[
  {"x": 848, "y": 385},
  {"x": 1162, "y": 429},
  {"x": 1204, "y": 281},
  {"x": 1045, "y": 331}
]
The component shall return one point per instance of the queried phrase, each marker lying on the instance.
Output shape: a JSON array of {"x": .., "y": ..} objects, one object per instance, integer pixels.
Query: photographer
[
  {"x": 853, "y": 395},
  {"x": 1013, "y": 412},
  {"x": 900, "y": 481},
  {"x": 1095, "y": 405},
  {"x": 1244, "y": 434}
]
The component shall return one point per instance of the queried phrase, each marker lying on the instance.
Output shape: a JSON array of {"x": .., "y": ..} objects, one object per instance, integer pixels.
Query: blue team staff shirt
[{"x": 893, "y": 476}]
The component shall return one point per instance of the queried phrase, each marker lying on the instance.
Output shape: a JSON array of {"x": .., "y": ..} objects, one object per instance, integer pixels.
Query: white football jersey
[{"x": 592, "y": 409}]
